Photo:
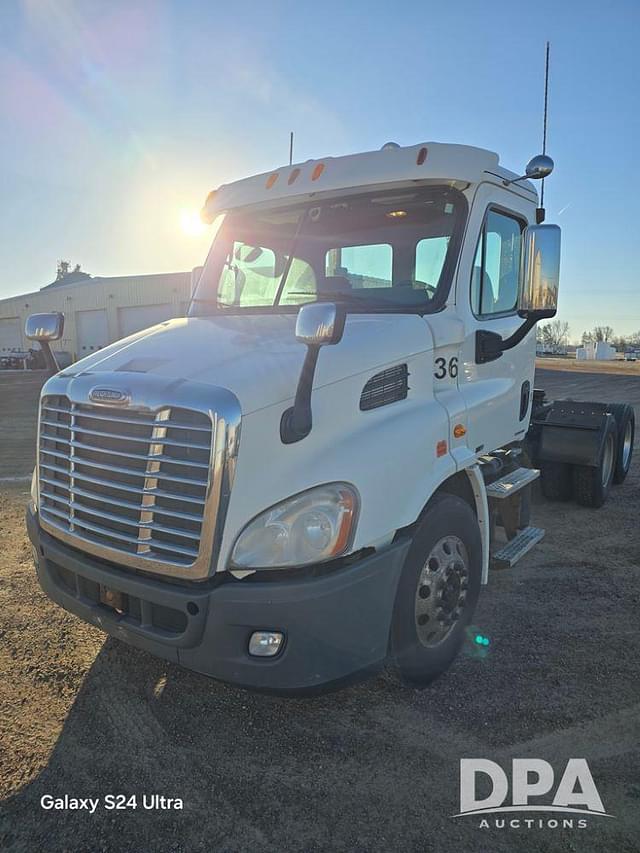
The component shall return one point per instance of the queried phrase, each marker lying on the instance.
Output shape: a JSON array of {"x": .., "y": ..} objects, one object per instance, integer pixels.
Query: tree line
[{"x": 556, "y": 333}]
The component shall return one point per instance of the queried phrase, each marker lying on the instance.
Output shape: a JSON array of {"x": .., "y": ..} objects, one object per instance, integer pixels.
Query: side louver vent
[{"x": 385, "y": 387}]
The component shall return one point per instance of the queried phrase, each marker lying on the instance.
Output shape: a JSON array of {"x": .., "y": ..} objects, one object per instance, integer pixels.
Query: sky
[{"x": 117, "y": 118}]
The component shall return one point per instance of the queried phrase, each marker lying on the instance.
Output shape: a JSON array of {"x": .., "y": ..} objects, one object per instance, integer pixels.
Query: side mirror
[
  {"x": 539, "y": 167},
  {"x": 540, "y": 272},
  {"x": 318, "y": 324},
  {"x": 538, "y": 297},
  {"x": 44, "y": 327}
]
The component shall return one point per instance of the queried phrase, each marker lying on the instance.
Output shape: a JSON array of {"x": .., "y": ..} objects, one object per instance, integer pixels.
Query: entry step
[
  {"x": 510, "y": 553},
  {"x": 512, "y": 483}
]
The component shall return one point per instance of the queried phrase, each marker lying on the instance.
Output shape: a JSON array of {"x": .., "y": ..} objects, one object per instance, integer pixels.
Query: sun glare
[{"x": 191, "y": 223}]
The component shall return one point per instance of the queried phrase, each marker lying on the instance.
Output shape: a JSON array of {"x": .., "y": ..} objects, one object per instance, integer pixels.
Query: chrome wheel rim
[
  {"x": 607, "y": 460},
  {"x": 441, "y": 593},
  {"x": 626, "y": 445}
]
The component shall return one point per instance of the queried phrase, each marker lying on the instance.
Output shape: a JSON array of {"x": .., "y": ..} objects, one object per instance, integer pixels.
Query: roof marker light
[
  {"x": 318, "y": 170},
  {"x": 422, "y": 156},
  {"x": 271, "y": 180},
  {"x": 293, "y": 176},
  {"x": 396, "y": 214}
]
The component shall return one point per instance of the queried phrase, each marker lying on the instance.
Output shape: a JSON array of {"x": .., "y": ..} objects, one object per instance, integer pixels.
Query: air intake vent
[{"x": 385, "y": 387}]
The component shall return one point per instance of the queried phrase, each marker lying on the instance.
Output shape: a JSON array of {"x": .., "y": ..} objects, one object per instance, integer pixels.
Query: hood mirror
[
  {"x": 318, "y": 324},
  {"x": 45, "y": 328}
]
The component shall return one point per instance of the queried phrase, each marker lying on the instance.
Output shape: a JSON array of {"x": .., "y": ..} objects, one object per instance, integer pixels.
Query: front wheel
[{"x": 438, "y": 590}]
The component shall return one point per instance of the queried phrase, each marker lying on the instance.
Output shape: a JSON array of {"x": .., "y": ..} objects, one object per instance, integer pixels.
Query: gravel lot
[{"x": 373, "y": 767}]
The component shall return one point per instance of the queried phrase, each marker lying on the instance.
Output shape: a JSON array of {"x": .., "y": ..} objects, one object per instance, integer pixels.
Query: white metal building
[{"x": 97, "y": 310}]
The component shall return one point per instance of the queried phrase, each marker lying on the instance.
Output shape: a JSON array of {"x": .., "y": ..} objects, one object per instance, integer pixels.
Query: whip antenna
[{"x": 544, "y": 121}]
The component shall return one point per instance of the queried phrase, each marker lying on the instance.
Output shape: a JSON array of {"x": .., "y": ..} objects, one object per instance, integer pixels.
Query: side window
[
  {"x": 362, "y": 266},
  {"x": 496, "y": 269}
]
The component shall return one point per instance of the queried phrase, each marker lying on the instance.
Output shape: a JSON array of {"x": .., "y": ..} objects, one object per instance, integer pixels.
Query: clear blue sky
[{"x": 116, "y": 117}]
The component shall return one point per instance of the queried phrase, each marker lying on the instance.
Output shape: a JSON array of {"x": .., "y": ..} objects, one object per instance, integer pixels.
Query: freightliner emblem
[{"x": 110, "y": 396}]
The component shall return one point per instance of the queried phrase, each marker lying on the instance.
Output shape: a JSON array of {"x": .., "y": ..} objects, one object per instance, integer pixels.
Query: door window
[{"x": 496, "y": 269}]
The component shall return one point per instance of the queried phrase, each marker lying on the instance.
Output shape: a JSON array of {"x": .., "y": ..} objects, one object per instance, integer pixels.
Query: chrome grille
[{"x": 134, "y": 482}]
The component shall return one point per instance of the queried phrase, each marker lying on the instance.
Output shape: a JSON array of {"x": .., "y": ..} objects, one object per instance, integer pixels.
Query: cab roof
[{"x": 392, "y": 164}]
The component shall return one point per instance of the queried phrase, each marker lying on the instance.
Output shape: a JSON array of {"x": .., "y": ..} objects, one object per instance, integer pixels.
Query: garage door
[
  {"x": 136, "y": 317},
  {"x": 92, "y": 331},
  {"x": 10, "y": 334}
]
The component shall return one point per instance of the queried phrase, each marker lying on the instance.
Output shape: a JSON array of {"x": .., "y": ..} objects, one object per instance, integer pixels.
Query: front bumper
[{"x": 336, "y": 626}]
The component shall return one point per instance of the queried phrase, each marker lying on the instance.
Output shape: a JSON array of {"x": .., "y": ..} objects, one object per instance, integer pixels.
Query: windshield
[{"x": 383, "y": 251}]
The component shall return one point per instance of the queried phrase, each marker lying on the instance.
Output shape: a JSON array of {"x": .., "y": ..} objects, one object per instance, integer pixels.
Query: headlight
[
  {"x": 311, "y": 527},
  {"x": 34, "y": 488}
]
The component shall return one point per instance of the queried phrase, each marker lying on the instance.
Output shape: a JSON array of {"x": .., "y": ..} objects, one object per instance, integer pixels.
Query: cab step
[
  {"x": 507, "y": 556},
  {"x": 511, "y": 483}
]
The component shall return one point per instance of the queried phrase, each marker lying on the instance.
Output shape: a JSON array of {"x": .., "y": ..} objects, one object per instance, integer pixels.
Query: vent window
[{"x": 386, "y": 387}]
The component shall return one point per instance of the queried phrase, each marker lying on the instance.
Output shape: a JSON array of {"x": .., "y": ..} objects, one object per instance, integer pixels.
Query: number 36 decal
[{"x": 444, "y": 368}]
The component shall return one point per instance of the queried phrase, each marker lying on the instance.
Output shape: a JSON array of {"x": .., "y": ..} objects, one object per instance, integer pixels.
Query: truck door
[{"x": 498, "y": 393}]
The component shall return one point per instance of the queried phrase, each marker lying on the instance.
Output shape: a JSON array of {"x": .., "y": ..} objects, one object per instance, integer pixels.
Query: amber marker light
[
  {"x": 317, "y": 171},
  {"x": 459, "y": 430},
  {"x": 347, "y": 519}
]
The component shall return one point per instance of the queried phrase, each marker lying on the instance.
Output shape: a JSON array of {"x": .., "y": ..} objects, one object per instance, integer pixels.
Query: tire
[
  {"x": 448, "y": 537},
  {"x": 592, "y": 484},
  {"x": 556, "y": 481},
  {"x": 626, "y": 428}
]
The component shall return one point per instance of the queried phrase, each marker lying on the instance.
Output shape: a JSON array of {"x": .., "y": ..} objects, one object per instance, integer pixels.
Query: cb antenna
[
  {"x": 544, "y": 121},
  {"x": 291, "y": 147}
]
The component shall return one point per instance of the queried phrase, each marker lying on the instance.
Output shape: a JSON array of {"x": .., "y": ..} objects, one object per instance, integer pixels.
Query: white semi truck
[{"x": 311, "y": 475}]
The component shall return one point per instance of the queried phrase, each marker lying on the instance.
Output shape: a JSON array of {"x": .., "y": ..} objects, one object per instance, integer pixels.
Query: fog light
[{"x": 265, "y": 644}]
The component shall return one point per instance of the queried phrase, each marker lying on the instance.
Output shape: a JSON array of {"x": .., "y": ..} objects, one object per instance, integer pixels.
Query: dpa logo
[{"x": 532, "y": 779}]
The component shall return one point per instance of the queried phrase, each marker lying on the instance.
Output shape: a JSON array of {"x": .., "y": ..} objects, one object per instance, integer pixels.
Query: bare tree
[
  {"x": 598, "y": 333},
  {"x": 602, "y": 333},
  {"x": 554, "y": 335}
]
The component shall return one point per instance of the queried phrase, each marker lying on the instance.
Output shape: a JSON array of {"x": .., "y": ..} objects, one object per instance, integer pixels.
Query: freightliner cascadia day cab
[{"x": 310, "y": 476}]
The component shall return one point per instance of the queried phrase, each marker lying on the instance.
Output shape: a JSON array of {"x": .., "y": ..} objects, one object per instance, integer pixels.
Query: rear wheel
[
  {"x": 555, "y": 481},
  {"x": 438, "y": 590},
  {"x": 626, "y": 427},
  {"x": 592, "y": 484}
]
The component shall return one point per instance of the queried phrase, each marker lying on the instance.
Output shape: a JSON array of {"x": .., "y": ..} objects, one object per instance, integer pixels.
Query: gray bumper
[{"x": 336, "y": 626}]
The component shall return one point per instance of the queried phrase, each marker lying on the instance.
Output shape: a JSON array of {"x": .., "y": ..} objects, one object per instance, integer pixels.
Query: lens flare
[{"x": 191, "y": 223}]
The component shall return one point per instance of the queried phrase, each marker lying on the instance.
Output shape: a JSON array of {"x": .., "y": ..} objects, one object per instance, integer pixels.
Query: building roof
[{"x": 70, "y": 278}]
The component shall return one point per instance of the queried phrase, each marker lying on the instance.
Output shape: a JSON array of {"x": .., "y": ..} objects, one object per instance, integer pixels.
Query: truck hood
[{"x": 258, "y": 357}]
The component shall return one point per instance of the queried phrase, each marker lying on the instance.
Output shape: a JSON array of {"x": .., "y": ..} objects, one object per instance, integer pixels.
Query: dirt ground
[
  {"x": 373, "y": 767},
  {"x": 615, "y": 367}
]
